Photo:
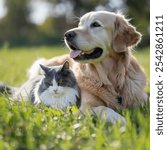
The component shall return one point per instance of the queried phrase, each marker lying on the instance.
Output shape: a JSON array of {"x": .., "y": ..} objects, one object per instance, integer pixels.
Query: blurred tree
[
  {"x": 52, "y": 30},
  {"x": 79, "y": 7},
  {"x": 15, "y": 25},
  {"x": 82, "y": 6},
  {"x": 18, "y": 13},
  {"x": 53, "y": 26},
  {"x": 137, "y": 10},
  {"x": 140, "y": 13}
]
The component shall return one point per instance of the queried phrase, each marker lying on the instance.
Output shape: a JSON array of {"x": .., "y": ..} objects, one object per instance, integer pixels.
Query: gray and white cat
[{"x": 57, "y": 88}]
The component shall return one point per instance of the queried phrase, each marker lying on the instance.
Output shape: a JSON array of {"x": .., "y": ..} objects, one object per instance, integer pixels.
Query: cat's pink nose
[{"x": 55, "y": 91}]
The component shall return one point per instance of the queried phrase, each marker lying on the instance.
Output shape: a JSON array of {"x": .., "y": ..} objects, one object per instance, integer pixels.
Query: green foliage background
[{"x": 17, "y": 29}]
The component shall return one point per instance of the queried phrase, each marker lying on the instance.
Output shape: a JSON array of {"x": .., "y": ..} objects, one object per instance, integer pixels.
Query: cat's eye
[
  {"x": 61, "y": 81},
  {"x": 95, "y": 25}
]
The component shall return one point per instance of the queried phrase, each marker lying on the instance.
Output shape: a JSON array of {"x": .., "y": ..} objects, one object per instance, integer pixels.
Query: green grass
[{"x": 23, "y": 126}]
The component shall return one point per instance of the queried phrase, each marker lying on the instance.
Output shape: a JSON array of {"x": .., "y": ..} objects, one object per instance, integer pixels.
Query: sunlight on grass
[{"x": 23, "y": 126}]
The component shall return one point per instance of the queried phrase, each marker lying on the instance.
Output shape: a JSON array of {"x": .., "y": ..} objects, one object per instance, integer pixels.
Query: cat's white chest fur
[
  {"x": 56, "y": 97},
  {"x": 59, "y": 102}
]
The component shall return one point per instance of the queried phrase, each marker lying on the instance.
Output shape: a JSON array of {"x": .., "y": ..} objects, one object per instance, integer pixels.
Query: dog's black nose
[{"x": 70, "y": 35}]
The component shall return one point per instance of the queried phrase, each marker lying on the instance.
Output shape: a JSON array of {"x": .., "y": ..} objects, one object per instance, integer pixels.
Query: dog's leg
[
  {"x": 96, "y": 107},
  {"x": 107, "y": 94},
  {"x": 108, "y": 114}
]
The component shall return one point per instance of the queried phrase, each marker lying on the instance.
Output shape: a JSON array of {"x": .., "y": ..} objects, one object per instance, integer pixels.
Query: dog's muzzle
[{"x": 78, "y": 54}]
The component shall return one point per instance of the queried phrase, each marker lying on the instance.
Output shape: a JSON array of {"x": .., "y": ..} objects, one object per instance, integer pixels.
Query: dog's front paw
[
  {"x": 109, "y": 115},
  {"x": 113, "y": 117}
]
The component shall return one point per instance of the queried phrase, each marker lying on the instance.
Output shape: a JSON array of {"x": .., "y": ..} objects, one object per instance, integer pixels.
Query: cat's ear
[
  {"x": 66, "y": 65},
  {"x": 45, "y": 69}
]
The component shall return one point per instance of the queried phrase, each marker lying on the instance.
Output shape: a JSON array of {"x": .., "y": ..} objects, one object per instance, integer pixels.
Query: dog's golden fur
[
  {"x": 101, "y": 83},
  {"x": 116, "y": 72}
]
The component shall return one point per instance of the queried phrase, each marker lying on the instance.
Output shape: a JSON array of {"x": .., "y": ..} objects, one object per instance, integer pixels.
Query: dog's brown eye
[{"x": 95, "y": 24}]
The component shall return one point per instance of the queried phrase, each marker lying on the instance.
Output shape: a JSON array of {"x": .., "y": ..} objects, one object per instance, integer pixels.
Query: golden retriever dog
[{"x": 109, "y": 76}]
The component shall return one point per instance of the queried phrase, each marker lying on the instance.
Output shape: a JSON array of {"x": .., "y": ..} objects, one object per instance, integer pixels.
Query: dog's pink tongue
[{"x": 74, "y": 54}]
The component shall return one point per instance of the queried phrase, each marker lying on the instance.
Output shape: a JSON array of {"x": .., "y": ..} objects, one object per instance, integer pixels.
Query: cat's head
[{"x": 57, "y": 80}]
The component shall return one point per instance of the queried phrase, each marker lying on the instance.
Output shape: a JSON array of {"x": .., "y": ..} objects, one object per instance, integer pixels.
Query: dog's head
[{"x": 98, "y": 34}]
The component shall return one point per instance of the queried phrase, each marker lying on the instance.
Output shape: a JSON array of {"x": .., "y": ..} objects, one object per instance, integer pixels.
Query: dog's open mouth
[{"x": 82, "y": 55}]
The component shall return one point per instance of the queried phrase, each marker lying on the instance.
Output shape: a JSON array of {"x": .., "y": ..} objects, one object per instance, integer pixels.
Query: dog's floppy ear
[{"x": 125, "y": 35}]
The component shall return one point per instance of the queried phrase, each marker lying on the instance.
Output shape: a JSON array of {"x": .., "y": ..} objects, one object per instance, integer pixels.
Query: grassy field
[{"x": 23, "y": 126}]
